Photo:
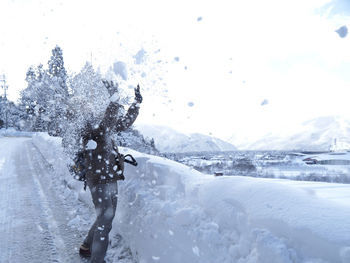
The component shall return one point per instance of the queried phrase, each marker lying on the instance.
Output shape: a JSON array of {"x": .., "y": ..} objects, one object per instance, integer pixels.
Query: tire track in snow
[
  {"x": 33, "y": 220},
  {"x": 24, "y": 238},
  {"x": 6, "y": 224},
  {"x": 58, "y": 243},
  {"x": 66, "y": 239}
]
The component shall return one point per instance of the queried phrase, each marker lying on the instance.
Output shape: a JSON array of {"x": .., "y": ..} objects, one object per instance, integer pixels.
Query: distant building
[{"x": 339, "y": 146}]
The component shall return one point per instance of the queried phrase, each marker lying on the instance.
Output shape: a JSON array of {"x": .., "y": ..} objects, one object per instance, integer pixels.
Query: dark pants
[{"x": 104, "y": 197}]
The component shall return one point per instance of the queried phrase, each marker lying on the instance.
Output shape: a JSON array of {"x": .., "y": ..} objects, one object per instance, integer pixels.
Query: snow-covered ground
[
  {"x": 13, "y": 133},
  {"x": 323, "y": 167},
  {"x": 168, "y": 212},
  {"x": 33, "y": 222}
]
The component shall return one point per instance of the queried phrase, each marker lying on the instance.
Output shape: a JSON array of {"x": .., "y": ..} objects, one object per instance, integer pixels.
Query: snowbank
[
  {"x": 168, "y": 212},
  {"x": 185, "y": 216},
  {"x": 11, "y": 132}
]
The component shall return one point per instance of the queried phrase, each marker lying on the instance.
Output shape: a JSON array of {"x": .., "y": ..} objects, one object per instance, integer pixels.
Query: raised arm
[
  {"x": 111, "y": 119},
  {"x": 132, "y": 113}
]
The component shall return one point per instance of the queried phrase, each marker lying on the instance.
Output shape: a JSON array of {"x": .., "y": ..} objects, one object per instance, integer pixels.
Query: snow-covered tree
[
  {"x": 45, "y": 98},
  {"x": 57, "y": 71},
  {"x": 10, "y": 114},
  {"x": 2, "y": 113},
  {"x": 57, "y": 75},
  {"x": 27, "y": 116},
  {"x": 35, "y": 99},
  {"x": 133, "y": 139},
  {"x": 27, "y": 101},
  {"x": 14, "y": 115}
]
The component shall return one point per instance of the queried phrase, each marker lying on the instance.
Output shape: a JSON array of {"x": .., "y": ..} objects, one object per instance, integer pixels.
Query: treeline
[
  {"x": 42, "y": 103},
  {"x": 45, "y": 105}
]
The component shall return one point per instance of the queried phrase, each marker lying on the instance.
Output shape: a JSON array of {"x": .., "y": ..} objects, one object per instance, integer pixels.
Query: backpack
[
  {"x": 79, "y": 169},
  {"x": 120, "y": 159}
]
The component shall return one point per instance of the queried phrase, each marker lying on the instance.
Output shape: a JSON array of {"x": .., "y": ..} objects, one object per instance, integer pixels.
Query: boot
[{"x": 84, "y": 251}]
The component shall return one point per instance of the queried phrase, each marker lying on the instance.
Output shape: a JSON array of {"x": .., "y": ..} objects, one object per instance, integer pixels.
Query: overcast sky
[{"x": 242, "y": 67}]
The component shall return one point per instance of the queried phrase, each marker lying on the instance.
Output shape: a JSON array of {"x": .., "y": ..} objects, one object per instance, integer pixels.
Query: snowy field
[
  {"x": 330, "y": 167},
  {"x": 169, "y": 212}
]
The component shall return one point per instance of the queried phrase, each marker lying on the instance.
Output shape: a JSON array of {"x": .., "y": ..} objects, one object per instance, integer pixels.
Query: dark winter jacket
[{"x": 100, "y": 150}]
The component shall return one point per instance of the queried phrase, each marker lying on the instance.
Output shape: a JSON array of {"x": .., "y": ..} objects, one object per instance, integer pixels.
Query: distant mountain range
[
  {"x": 170, "y": 140},
  {"x": 320, "y": 134}
]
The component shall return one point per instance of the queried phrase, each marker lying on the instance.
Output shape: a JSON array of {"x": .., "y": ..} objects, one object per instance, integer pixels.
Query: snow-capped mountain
[
  {"x": 169, "y": 140},
  {"x": 320, "y": 134}
]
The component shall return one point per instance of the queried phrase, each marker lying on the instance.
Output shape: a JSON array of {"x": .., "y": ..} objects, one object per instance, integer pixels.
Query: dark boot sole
[{"x": 85, "y": 254}]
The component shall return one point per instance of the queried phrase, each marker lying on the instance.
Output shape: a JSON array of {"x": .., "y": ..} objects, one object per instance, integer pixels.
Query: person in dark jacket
[{"x": 102, "y": 176}]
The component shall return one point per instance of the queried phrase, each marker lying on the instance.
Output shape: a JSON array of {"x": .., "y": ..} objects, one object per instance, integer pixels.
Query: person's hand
[
  {"x": 111, "y": 87},
  {"x": 138, "y": 97}
]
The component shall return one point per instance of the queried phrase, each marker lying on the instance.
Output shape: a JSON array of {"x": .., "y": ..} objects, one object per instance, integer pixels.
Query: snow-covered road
[{"x": 33, "y": 222}]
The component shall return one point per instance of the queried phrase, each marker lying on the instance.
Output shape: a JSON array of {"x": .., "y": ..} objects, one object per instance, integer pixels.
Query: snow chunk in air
[
  {"x": 140, "y": 56},
  {"x": 265, "y": 102},
  {"x": 119, "y": 68},
  {"x": 190, "y": 104},
  {"x": 342, "y": 31},
  {"x": 91, "y": 145}
]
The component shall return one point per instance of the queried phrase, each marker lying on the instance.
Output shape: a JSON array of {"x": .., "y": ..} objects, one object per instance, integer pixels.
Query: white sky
[{"x": 240, "y": 53}]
